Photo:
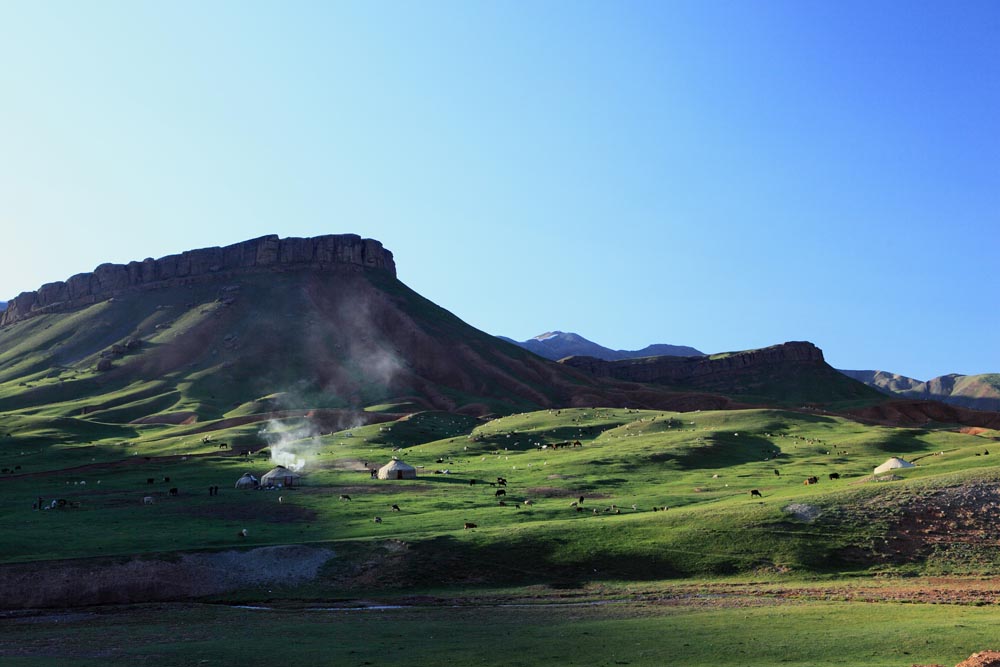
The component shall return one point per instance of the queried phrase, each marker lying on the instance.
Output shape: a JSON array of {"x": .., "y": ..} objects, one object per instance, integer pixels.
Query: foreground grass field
[
  {"x": 703, "y": 630},
  {"x": 667, "y": 559}
]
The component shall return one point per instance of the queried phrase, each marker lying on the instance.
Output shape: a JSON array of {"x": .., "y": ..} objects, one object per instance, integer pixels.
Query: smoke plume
[{"x": 292, "y": 445}]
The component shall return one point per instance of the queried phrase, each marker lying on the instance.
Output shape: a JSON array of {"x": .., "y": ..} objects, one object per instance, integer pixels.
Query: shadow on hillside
[
  {"x": 720, "y": 452},
  {"x": 902, "y": 443}
]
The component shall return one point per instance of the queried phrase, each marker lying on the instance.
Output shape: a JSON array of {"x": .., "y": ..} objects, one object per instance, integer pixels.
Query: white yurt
[
  {"x": 247, "y": 481},
  {"x": 280, "y": 476},
  {"x": 396, "y": 469},
  {"x": 892, "y": 464}
]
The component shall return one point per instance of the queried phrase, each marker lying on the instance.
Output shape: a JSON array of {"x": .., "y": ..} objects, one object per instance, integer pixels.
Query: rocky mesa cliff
[
  {"x": 267, "y": 253},
  {"x": 794, "y": 373},
  {"x": 685, "y": 369}
]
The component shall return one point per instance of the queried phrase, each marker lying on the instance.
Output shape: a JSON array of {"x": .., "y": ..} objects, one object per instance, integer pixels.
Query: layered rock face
[
  {"x": 267, "y": 253},
  {"x": 686, "y": 369}
]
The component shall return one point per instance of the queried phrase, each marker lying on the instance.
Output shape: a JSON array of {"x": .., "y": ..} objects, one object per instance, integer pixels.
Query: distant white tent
[
  {"x": 247, "y": 481},
  {"x": 396, "y": 469},
  {"x": 892, "y": 464},
  {"x": 280, "y": 476}
]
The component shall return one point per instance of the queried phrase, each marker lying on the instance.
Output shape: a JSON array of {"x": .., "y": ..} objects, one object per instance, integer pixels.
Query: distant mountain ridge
[
  {"x": 980, "y": 392},
  {"x": 557, "y": 345}
]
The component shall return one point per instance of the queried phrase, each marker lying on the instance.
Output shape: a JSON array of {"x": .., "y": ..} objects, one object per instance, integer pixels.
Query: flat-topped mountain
[
  {"x": 264, "y": 254},
  {"x": 980, "y": 392},
  {"x": 794, "y": 371},
  {"x": 557, "y": 345}
]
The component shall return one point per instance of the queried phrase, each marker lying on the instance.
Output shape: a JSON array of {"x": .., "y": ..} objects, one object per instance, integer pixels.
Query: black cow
[
  {"x": 755, "y": 492},
  {"x": 500, "y": 492}
]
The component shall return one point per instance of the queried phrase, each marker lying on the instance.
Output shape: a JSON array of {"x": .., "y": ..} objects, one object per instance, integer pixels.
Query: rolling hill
[
  {"x": 556, "y": 345},
  {"x": 978, "y": 392}
]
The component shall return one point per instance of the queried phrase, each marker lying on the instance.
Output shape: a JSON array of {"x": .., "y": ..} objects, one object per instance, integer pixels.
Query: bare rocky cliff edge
[
  {"x": 683, "y": 369},
  {"x": 267, "y": 253}
]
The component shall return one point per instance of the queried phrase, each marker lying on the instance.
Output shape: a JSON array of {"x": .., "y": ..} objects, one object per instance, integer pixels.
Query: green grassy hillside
[{"x": 627, "y": 467}]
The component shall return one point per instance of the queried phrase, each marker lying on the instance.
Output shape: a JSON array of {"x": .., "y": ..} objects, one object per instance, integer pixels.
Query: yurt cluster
[
  {"x": 277, "y": 478},
  {"x": 281, "y": 477}
]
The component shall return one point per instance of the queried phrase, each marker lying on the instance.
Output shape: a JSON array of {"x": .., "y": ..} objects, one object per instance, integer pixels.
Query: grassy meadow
[
  {"x": 627, "y": 467},
  {"x": 666, "y": 507}
]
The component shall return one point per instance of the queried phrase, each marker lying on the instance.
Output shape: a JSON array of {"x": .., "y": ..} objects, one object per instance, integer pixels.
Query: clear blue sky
[{"x": 720, "y": 174}]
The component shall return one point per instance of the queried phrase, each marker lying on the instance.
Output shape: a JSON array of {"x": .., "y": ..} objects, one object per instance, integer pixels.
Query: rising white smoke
[{"x": 293, "y": 445}]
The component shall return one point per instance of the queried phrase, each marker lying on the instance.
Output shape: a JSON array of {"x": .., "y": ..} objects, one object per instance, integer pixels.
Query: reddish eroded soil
[
  {"x": 982, "y": 659},
  {"x": 917, "y": 413},
  {"x": 919, "y": 524}
]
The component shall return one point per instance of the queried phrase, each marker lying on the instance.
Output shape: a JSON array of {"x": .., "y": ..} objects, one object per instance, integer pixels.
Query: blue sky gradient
[{"x": 725, "y": 175}]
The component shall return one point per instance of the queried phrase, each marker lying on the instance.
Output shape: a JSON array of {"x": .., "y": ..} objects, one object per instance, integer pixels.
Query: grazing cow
[
  {"x": 377, "y": 519},
  {"x": 242, "y": 533},
  {"x": 148, "y": 500},
  {"x": 503, "y": 504},
  {"x": 344, "y": 496},
  {"x": 776, "y": 472},
  {"x": 528, "y": 503},
  {"x": 811, "y": 480},
  {"x": 834, "y": 475},
  {"x": 500, "y": 492},
  {"x": 469, "y": 525},
  {"x": 166, "y": 480},
  {"x": 501, "y": 481},
  {"x": 394, "y": 507},
  {"x": 150, "y": 480},
  {"x": 755, "y": 492},
  {"x": 173, "y": 491}
]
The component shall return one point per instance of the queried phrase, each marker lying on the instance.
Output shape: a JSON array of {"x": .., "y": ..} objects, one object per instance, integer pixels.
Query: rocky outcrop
[
  {"x": 684, "y": 370},
  {"x": 267, "y": 253}
]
